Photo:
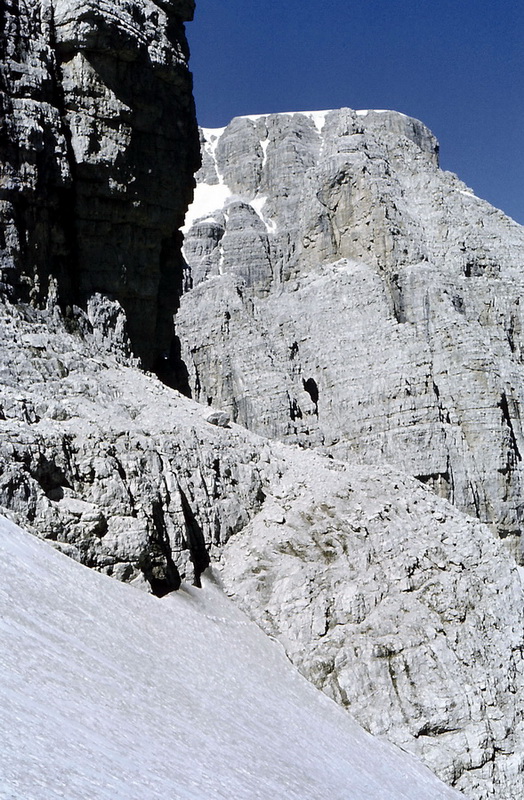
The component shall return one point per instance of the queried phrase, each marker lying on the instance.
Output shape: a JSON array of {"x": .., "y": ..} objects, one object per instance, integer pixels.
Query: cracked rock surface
[
  {"x": 349, "y": 295},
  {"x": 391, "y": 602},
  {"x": 124, "y": 475}
]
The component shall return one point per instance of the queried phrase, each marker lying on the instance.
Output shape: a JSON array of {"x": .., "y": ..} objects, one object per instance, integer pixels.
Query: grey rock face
[
  {"x": 124, "y": 476},
  {"x": 99, "y": 144},
  {"x": 385, "y": 598},
  {"x": 34, "y": 160},
  {"x": 371, "y": 307}
]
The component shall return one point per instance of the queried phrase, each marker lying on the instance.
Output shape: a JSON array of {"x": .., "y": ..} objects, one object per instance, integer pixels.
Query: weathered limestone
[
  {"x": 124, "y": 475},
  {"x": 371, "y": 308},
  {"x": 99, "y": 144},
  {"x": 385, "y": 598}
]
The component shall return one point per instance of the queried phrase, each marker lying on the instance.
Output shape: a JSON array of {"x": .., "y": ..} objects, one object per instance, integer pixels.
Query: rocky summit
[
  {"x": 348, "y": 453},
  {"x": 351, "y": 296}
]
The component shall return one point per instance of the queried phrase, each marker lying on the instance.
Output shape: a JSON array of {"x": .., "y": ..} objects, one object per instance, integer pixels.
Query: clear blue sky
[{"x": 457, "y": 65}]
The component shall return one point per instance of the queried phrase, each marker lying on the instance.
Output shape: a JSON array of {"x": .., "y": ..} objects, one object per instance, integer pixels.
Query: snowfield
[{"x": 107, "y": 693}]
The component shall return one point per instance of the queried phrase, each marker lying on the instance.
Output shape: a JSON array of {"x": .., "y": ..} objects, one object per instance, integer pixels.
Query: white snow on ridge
[
  {"x": 363, "y": 112},
  {"x": 212, "y": 135},
  {"x": 258, "y": 204},
  {"x": 107, "y": 693},
  {"x": 207, "y": 199},
  {"x": 318, "y": 117}
]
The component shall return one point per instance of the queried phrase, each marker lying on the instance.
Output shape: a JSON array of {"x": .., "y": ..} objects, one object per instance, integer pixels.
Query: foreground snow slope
[{"x": 107, "y": 692}]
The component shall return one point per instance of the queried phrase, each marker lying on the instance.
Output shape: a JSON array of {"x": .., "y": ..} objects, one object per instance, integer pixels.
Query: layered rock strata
[
  {"x": 98, "y": 147},
  {"x": 349, "y": 295}
]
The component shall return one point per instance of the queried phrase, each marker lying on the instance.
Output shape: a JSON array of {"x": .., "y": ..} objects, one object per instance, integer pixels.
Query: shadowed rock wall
[{"x": 98, "y": 147}]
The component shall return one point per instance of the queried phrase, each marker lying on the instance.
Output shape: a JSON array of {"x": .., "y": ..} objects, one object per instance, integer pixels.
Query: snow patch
[
  {"x": 207, "y": 199},
  {"x": 318, "y": 117},
  {"x": 364, "y": 111},
  {"x": 108, "y": 693},
  {"x": 258, "y": 204},
  {"x": 264, "y": 145}
]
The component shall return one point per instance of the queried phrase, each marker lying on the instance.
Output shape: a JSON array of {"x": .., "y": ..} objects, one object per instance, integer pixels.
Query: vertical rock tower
[{"x": 98, "y": 145}]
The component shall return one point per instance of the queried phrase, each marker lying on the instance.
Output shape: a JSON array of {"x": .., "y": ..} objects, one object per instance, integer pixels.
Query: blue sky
[{"x": 457, "y": 65}]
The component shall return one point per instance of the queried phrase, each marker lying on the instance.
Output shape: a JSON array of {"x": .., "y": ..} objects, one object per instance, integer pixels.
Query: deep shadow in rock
[
  {"x": 171, "y": 369},
  {"x": 195, "y": 540},
  {"x": 167, "y": 579},
  {"x": 310, "y": 386}
]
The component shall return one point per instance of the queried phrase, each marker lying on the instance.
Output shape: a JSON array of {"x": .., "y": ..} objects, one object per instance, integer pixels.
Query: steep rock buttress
[{"x": 98, "y": 147}]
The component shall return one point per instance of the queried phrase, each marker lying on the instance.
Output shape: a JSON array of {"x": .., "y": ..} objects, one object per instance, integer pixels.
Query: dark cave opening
[{"x": 310, "y": 386}]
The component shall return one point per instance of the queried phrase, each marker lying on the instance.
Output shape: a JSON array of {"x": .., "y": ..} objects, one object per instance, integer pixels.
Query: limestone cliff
[
  {"x": 98, "y": 147},
  {"x": 349, "y": 295}
]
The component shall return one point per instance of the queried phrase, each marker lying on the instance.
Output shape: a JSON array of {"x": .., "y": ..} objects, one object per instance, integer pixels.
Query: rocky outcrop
[
  {"x": 386, "y": 599},
  {"x": 349, "y": 295},
  {"x": 98, "y": 147},
  {"x": 122, "y": 475}
]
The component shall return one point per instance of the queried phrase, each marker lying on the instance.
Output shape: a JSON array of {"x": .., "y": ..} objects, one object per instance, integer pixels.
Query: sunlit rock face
[
  {"x": 99, "y": 146},
  {"x": 385, "y": 597},
  {"x": 349, "y": 295}
]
